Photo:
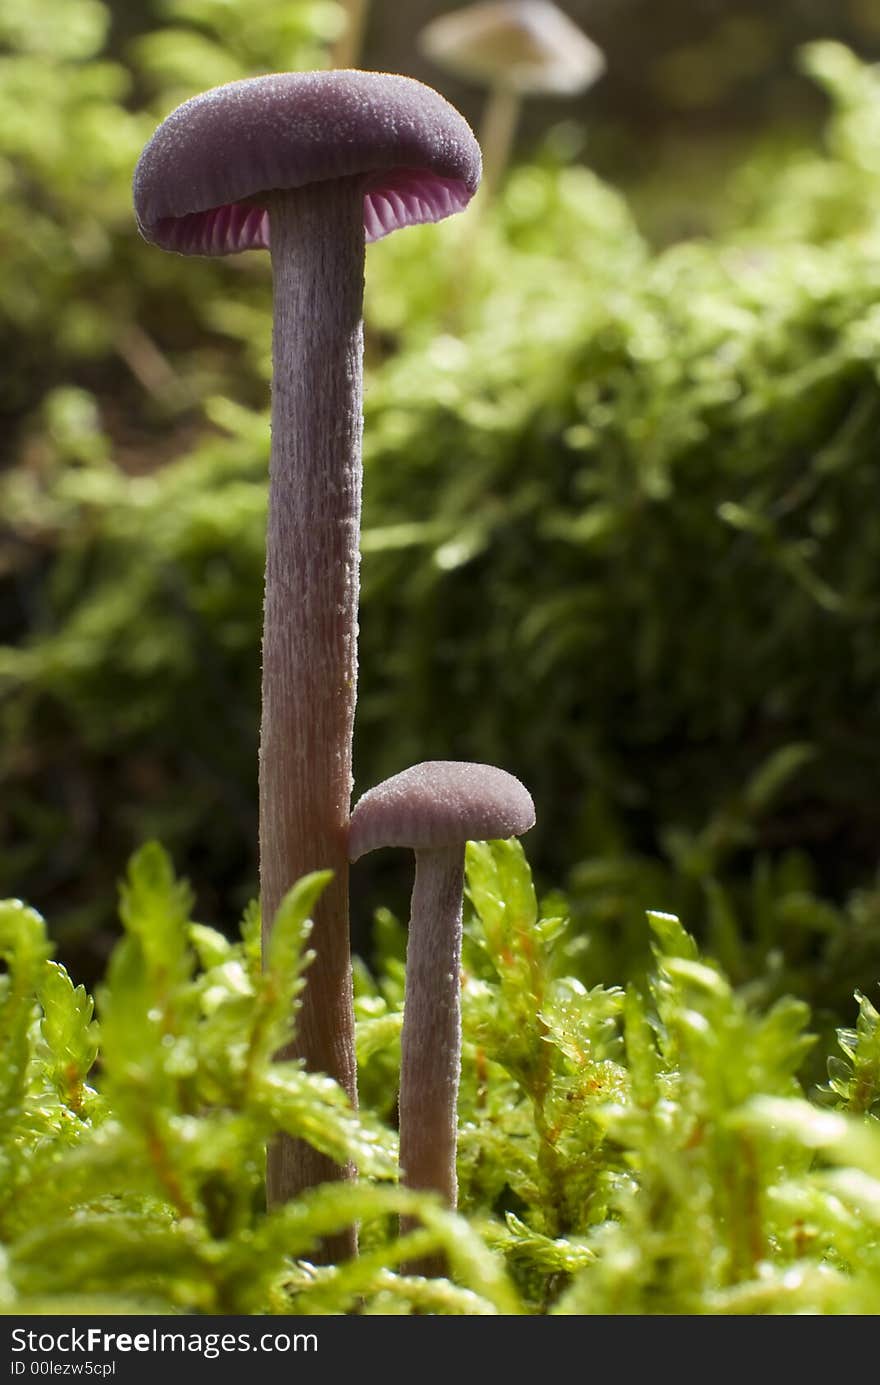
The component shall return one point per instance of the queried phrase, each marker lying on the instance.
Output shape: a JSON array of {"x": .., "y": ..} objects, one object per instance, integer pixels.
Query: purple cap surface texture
[
  {"x": 440, "y": 803},
  {"x": 199, "y": 181}
]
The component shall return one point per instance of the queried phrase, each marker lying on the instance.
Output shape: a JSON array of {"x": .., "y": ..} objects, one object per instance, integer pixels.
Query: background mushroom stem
[
  {"x": 431, "y": 1040},
  {"x": 347, "y": 48},
  {"x": 310, "y": 617},
  {"x": 497, "y": 133},
  {"x": 498, "y": 127}
]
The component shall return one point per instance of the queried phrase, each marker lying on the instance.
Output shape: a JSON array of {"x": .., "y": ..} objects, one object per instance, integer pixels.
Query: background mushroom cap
[
  {"x": 529, "y": 46},
  {"x": 440, "y": 803},
  {"x": 198, "y": 182}
]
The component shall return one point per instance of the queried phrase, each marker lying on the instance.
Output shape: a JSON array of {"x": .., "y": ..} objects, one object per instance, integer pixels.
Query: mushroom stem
[
  {"x": 347, "y": 48},
  {"x": 310, "y": 615},
  {"x": 497, "y": 133},
  {"x": 431, "y": 1039}
]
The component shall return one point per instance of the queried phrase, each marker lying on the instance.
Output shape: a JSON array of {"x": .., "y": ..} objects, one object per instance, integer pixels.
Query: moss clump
[{"x": 641, "y": 1151}]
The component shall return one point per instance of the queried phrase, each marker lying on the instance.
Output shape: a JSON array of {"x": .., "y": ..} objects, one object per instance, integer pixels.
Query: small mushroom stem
[
  {"x": 347, "y": 49},
  {"x": 497, "y": 134},
  {"x": 310, "y": 616},
  {"x": 431, "y": 1039}
]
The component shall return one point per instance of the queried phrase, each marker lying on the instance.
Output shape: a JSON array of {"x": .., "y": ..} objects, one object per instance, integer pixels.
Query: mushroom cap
[
  {"x": 529, "y": 46},
  {"x": 200, "y": 183},
  {"x": 440, "y": 803}
]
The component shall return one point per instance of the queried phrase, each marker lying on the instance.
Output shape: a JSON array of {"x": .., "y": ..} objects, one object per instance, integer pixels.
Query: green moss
[{"x": 647, "y": 1151}]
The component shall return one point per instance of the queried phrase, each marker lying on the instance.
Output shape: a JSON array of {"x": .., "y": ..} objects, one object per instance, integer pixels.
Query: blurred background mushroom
[{"x": 516, "y": 49}]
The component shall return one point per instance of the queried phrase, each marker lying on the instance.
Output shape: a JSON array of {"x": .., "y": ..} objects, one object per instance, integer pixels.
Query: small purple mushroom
[
  {"x": 435, "y": 808},
  {"x": 309, "y": 165}
]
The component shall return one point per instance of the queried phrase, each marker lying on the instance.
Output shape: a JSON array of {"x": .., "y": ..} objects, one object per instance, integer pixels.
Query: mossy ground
[
  {"x": 648, "y": 1150},
  {"x": 620, "y": 537}
]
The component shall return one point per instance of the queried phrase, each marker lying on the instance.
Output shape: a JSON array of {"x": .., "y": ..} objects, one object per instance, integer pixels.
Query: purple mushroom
[
  {"x": 308, "y": 165},
  {"x": 435, "y": 808}
]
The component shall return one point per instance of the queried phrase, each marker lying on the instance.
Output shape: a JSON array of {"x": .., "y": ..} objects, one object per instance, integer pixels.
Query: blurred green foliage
[
  {"x": 76, "y": 107},
  {"x": 619, "y": 524},
  {"x": 620, "y": 1152}
]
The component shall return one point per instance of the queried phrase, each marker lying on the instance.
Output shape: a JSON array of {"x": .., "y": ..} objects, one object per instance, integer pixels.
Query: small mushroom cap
[
  {"x": 440, "y": 803},
  {"x": 528, "y": 46},
  {"x": 201, "y": 182}
]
